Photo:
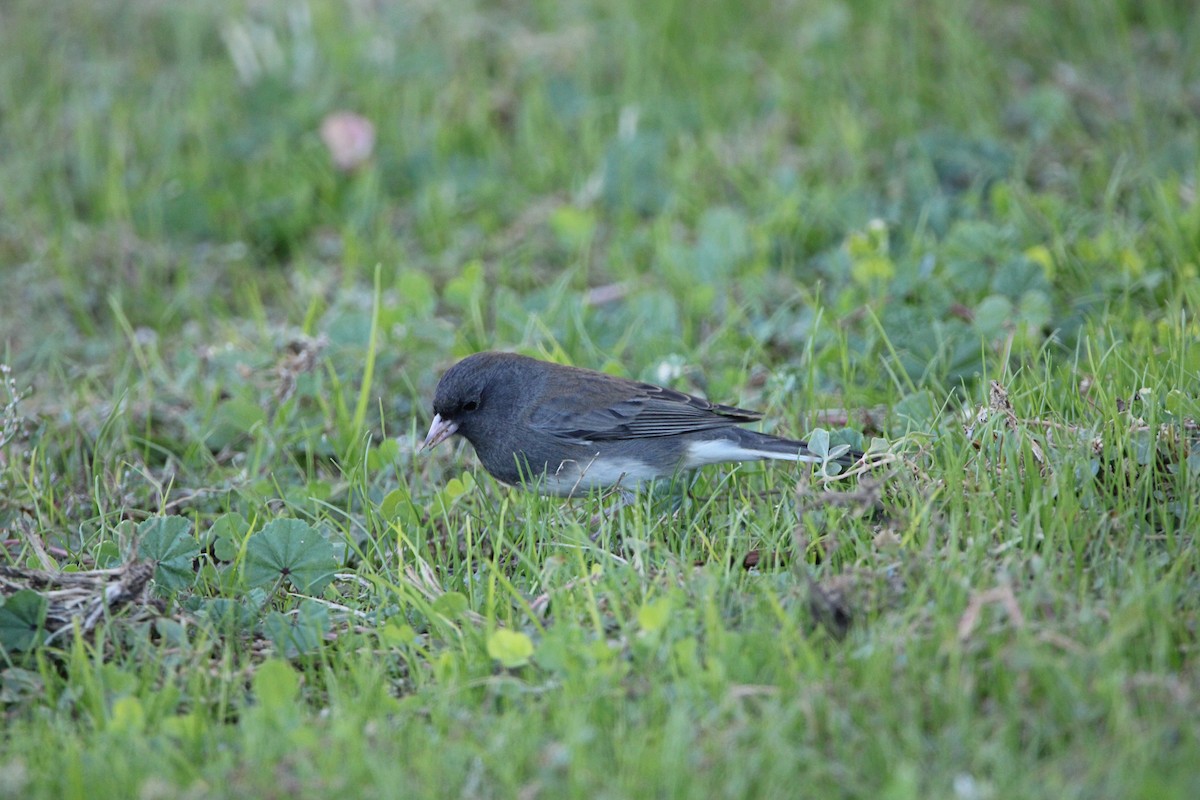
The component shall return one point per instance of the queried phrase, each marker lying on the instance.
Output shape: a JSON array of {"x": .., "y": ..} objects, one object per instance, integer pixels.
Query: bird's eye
[{"x": 470, "y": 405}]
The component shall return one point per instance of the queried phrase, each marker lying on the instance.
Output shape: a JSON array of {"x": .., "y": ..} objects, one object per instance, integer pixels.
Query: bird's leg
[{"x": 625, "y": 497}]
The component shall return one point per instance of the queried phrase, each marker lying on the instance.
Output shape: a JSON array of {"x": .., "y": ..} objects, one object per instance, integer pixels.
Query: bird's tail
[
  {"x": 739, "y": 444},
  {"x": 783, "y": 449}
]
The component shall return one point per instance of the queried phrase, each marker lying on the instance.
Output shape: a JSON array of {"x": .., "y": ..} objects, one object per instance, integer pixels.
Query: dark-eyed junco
[{"x": 566, "y": 431}]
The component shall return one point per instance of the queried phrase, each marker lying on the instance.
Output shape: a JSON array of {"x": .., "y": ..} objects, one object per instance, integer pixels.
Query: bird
[{"x": 566, "y": 431}]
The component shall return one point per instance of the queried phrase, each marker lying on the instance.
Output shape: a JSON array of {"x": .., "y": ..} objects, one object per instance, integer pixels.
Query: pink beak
[{"x": 439, "y": 431}]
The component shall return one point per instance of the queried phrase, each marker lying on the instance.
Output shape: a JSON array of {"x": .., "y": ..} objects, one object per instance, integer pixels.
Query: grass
[{"x": 968, "y": 231}]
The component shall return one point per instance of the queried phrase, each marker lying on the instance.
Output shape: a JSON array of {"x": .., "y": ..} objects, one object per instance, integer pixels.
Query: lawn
[{"x": 964, "y": 237}]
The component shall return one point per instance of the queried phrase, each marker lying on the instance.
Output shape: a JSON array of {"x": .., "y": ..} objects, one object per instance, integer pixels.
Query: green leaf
[
  {"x": 466, "y": 288},
  {"x": 852, "y": 439},
  {"x": 167, "y": 542},
  {"x": 21, "y": 620},
  {"x": 686, "y": 654},
  {"x": 878, "y": 445},
  {"x": 511, "y": 648},
  {"x": 396, "y": 633},
  {"x": 188, "y": 727},
  {"x": 1019, "y": 275},
  {"x": 108, "y": 555},
  {"x": 416, "y": 293},
  {"x": 914, "y": 412},
  {"x": 390, "y": 506},
  {"x": 276, "y": 685},
  {"x": 128, "y": 716},
  {"x": 228, "y": 531},
  {"x": 653, "y": 616},
  {"x": 234, "y": 419},
  {"x": 872, "y": 270},
  {"x": 451, "y": 604},
  {"x": 383, "y": 455},
  {"x": 1035, "y": 309},
  {"x": 818, "y": 442},
  {"x": 301, "y": 632},
  {"x": 229, "y": 616},
  {"x": 457, "y": 487},
  {"x": 992, "y": 316},
  {"x": 290, "y": 550},
  {"x": 20, "y": 685},
  {"x": 573, "y": 226}
]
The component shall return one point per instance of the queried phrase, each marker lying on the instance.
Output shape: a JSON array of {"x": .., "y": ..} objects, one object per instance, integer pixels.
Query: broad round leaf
[
  {"x": 291, "y": 550},
  {"x": 167, "y": 542},
  {"x": 511, "y": 648},
  {"x": 21, "y": 619},
  {"x": 227, "y": 533},
  {"x": 276, "y": 685},
  {"x": 299, "y": 633}
]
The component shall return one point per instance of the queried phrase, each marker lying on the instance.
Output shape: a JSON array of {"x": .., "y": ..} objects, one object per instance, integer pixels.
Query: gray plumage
[{"x": 567, "y": 430}]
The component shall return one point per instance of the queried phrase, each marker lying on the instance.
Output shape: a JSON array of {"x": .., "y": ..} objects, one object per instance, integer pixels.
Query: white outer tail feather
[{"x": 716, "y": 451}]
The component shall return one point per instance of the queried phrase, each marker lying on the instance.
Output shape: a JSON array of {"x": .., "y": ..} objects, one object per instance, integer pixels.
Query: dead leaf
[{"x": 1002, "y": 596}]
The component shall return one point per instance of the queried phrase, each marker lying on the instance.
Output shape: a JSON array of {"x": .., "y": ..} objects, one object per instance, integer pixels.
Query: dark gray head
[{"x": 479, "y": 394}]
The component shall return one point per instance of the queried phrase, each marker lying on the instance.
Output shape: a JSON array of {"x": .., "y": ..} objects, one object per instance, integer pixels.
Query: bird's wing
[{"x": 642, "y": 410}]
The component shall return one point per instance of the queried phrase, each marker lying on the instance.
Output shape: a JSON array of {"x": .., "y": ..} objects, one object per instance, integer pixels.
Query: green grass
[{"x": 853, "y": 216}]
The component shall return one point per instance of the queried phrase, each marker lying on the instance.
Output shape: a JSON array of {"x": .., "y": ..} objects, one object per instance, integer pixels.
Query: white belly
[{"x": 574, "y": 478}]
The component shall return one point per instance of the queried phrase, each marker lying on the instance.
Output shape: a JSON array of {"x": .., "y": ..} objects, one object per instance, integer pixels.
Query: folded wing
[{"x": 641, "y": 411}]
